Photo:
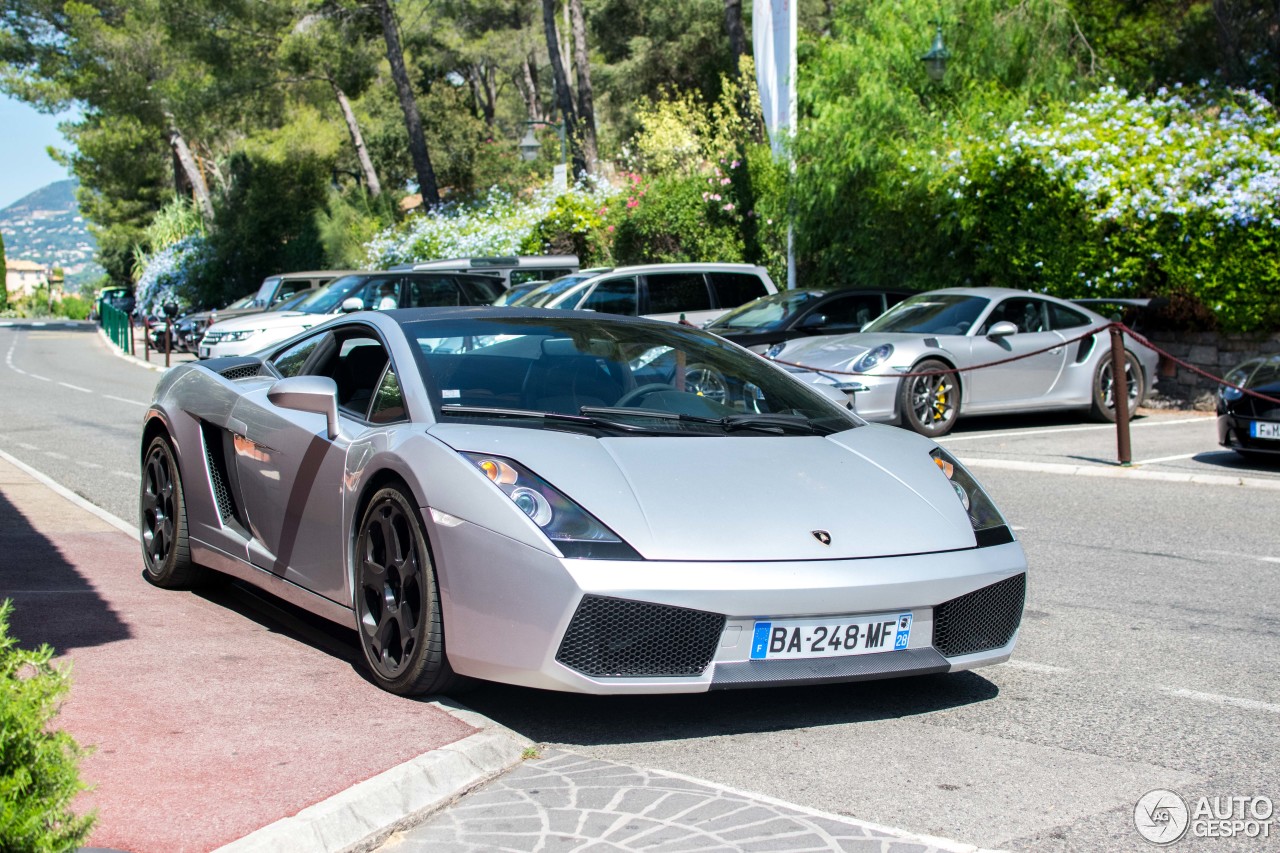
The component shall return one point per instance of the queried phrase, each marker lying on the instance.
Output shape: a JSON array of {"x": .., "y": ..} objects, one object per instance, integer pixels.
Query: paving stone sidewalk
[{"x": 568, "y": 802}]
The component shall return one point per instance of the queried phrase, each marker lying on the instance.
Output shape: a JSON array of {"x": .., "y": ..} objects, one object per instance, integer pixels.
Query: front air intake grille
[
  {"x": 982, "y": 620},
  {"x": 615, "y": 638}
]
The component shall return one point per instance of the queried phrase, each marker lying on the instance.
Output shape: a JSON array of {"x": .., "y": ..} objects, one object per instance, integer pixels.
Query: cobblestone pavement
[{"x": 568, "y": 802}]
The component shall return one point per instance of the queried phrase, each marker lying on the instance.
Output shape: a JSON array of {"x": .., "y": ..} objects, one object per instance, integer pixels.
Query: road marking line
[
  {"x": 124, "y": 474},
  {"x": 1052, "y": 430},
  {"x": 89, "y": 465},
  {"x": 39, "y": 325},
  {"x": 114, "y": 521},
  {"x": 41, "y": 378},
  {"x": 1238, "y": 556},
  {"x": 75, "y": 387},
  {"x": 1032, "y": 666},
  {"x": 1121, "y": 473},
  {"x": 5, "y": 324},
  {"x": 56, "y": 455},
  {"x": 123, "y": 400},
  {"x": 1167, "y": 459},
  {"x": 1219, "y": 699}
]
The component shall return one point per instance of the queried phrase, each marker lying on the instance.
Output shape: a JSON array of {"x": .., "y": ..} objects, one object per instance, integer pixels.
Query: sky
[{"x": 25, "y": 166}]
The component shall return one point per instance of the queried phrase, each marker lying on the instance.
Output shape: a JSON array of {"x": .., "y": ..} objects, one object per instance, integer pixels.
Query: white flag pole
[{"x": 792, "y": 116}]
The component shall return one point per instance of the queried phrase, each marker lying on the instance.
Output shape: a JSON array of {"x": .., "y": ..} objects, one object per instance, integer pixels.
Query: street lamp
[
  {"x": 530, "y": 146},
  {"x": 935, "y": 59}
]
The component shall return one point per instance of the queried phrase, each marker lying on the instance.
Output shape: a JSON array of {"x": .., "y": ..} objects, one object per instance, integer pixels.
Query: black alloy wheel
[
  {"x": 166, "y": 552},
  {"x": 1104, "y": 400},
  {"x": 930, "y": 404},
  {"x": 396, "y": 599}
]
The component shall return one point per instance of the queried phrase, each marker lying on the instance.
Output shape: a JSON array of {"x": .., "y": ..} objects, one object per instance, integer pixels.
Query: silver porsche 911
[
  {"x": 961, "y": 328},
  {"x": 548, "y": 498}
]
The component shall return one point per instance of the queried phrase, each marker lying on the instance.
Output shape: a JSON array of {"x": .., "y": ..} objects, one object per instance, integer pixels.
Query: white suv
[{"x": 696, "y": 292}]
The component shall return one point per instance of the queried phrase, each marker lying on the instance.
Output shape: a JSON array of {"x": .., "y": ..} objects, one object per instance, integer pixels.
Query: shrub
[
  {"x": 38, "y": 765},
  {"x": 668, "y": 220},
  {"x": 573, "y": 226}
]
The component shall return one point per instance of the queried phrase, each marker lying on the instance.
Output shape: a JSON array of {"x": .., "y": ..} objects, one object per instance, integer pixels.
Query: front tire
[
  {"x": 930, "y": 404},
  {"x": 1104, "y": 404},
  {"x": 166, "y": 550},
  {"x": 397, "y": 600}
]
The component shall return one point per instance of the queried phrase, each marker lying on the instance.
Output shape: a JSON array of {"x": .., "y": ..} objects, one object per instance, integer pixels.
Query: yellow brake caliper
[{"x": 940, "y": 402}]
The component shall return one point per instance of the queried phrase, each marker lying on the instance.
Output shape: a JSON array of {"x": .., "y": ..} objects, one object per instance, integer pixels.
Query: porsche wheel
[
  {"x": 396, "y": 599},
  {"x": 166, "y": 552},
  {"x": 930, "y": 404},
  {"x": 705, "y": 381},
  {"x": 1104, "y": 402}
]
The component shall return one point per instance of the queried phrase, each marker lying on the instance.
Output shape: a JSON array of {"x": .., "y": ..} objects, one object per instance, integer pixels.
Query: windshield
[
  {"x": 541, "y": 295},
  {"x": 768, "y": 312},
  {"x": 931, "y": 314},
  {"x": 617, "y": 378},
  {"x": 267, "y": 291},
  {"x": 329, "y": 299}
]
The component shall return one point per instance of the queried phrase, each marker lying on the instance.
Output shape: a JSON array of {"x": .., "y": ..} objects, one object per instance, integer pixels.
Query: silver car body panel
[
  {"x": 726, "y": 525},
  {"x": 1061, "y": 378}
]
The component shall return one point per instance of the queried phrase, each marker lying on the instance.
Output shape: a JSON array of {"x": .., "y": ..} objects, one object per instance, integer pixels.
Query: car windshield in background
[
  {"x": 541, "y": 295},
  {"x": 768, "y": 312},
  {"x": 611, "y": 378},
  {"x": 329, "y": 299},
  {"x": 931, "y": 314}
]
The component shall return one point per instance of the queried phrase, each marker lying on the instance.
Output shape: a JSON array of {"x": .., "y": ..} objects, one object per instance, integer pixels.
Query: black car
[
  {"x": 797, "y": 313},
  {"x": 1246, "y": 424}
]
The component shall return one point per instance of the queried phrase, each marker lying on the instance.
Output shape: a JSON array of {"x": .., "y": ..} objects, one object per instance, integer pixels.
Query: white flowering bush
[
  {"x": 166, "y": 275},
  {"x": 1121, "y": 194},
  {"x": 495, "y": 225}
]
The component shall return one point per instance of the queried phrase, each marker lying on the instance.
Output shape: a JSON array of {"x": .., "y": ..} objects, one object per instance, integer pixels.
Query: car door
[
  {"x": 1027, "y": 381},
  {"x": 291, "y": 473},
  {"x": 618, "y": 295}
]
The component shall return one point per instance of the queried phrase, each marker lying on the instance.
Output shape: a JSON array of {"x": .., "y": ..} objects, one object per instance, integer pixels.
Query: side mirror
[
  {"x": 814, "y": 321},
  {"x": 352, "y": 303},
  {"x": 1003, "y": 329},
  {"x": 318, "y": 394}
]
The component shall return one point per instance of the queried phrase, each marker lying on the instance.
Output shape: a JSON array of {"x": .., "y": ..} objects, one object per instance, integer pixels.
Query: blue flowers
[{"x": 165, "y": 275}]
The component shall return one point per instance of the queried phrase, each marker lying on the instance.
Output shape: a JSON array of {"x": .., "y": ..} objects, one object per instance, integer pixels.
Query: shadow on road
[
  {"x": 573, "y": 719},
  {"x": 52, "y": 601},
  {"x": 1231, "y": 461}
]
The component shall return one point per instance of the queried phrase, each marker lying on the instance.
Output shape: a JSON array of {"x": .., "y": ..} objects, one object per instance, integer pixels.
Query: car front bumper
[
  {"x": 1233, "y": 433},
  {"x": 519, "y": 615},
  {"x": 874, "y": 398}
]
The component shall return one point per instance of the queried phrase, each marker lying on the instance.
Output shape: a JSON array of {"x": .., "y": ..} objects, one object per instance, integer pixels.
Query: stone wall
[{"x": 1213, "y": 353}]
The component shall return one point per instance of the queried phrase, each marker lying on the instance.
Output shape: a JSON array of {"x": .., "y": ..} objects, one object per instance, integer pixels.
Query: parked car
[
  {"x": 373, "y": 291},
  {"x": 696, "y": 293},
  {"x": 962, "y": 328},
  {"x": 120, "y": 298},
  {"x": 513, "y": 270},
  {"x": 799, "y": 313},
  {"x": 528, "y": 508},
  {"x": 189, "y": 328},
  {"x": 1248, "y": 425},
  {"x": 277, "y": 288}
]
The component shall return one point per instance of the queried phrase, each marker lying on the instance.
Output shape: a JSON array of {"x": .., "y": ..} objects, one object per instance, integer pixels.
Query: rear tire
[
  {"x": 397, "y": 600},
  {"x": 930, "y": 405},
  {"x": 166, "y": 550},
  {"x": 1103, "y": 407}
]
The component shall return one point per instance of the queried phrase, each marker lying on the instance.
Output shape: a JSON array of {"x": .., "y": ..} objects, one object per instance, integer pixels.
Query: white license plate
[
  {"x": 204, "y": 352},
  {"x": 1265, "y": 429},
  {"x": 830, "y": 636}
]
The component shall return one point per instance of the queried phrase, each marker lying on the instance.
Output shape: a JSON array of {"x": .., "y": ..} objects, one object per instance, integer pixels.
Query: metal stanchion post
[
  {"x": 168, "y": 340},
  {"x": 133, "y": 349},
  {"x": 146, "y": 339},
  {"x": 1120, "y": 393}
]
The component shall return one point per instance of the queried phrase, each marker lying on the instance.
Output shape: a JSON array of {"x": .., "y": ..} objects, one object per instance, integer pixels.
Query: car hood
[
  {"x": 271, "y": 320},
  {"x": 837, "y": 352},
  {"x": 873, "y": 490}
]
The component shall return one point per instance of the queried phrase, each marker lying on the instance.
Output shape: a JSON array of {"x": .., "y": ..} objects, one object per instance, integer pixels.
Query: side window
[
  {"x": 480, "y": 289},
  {"x": 431, "y": 292},
  {"x": 1027, "y": 314},
  {"x": 674, "y": 292},
  {"x": 380, "y": 294},
  {"x": 388, "y": 402},
  {"x": 290, "y": 286},
  {"x": 1062, "y": 317},
  {"x": 526, "y": 276},
  {"x": 291, "y": 361},
  {"x": 613, "y": 296},
  {"x": 736, "y": 288},
  {"x": 851, "y": 313},
  {"x": 357, "y": 370}
]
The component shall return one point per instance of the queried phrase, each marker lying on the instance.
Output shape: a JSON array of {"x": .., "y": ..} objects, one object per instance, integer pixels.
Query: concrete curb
[
  {"x": 365, "y": 815},
  {"x": 1121, "y": 473},
  {"x": 133, "y": 359},
  {"x": 115, "y": 521}
]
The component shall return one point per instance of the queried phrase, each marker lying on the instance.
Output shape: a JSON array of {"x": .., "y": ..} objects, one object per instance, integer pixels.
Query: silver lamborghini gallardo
[{"x": 576, "y": 502}]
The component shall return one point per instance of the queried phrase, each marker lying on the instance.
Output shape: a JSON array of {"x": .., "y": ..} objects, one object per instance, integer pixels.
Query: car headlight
[
  {"x": 989, "y": 526},
  {"x": 775, "y": 350},
  {"x": 872, "y": 357},
  {"x": 239, "y": 336},
  {"x": 573, "y": 530}
]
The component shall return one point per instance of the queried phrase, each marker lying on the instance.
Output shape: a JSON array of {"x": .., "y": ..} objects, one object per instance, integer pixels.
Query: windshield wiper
[
  {"x": 558, "y": 417},
  {"x": 775, "y": 423}
]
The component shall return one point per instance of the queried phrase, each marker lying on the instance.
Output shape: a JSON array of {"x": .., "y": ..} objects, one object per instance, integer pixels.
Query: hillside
[{"x": 46, "y": 226}]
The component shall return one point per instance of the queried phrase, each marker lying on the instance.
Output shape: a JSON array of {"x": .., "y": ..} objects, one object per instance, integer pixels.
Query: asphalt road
[{"x": 1146, "y": 660}]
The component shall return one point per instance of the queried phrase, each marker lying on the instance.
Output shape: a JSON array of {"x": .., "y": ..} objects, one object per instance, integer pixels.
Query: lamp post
[
  {"x": 530, "y": 146},
  {"x": 935, "y": 59}
]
